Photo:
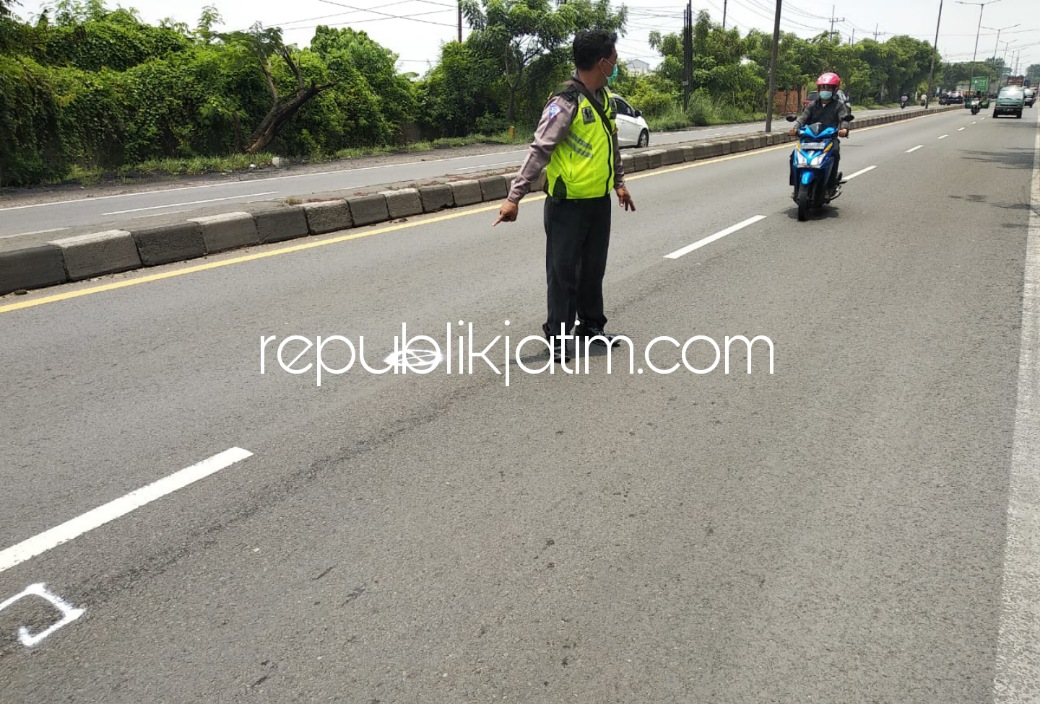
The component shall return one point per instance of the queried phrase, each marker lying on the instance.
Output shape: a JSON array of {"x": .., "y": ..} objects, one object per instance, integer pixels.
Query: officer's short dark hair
[{"x": 591, "y": 45}]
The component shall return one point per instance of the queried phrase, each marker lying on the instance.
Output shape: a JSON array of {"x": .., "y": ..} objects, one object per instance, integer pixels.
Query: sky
[{"x": 415, "y": 29}]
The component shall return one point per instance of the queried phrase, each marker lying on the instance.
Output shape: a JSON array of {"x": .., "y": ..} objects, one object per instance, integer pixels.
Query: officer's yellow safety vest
[{"x": 582, "y": 165}]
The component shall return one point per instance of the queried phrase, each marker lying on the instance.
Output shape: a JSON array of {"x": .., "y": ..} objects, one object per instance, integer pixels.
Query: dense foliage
[{"x": 85, "y": 87}]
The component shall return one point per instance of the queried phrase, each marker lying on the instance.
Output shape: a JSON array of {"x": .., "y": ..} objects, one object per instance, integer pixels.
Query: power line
[{"x": 396, "y": 17}]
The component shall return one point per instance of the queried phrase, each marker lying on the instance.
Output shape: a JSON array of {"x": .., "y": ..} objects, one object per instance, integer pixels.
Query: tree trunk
[{"x": 280, "y": 113}]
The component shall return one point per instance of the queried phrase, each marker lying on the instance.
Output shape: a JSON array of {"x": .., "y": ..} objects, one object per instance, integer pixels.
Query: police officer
[{"x": 577, "y": 138}]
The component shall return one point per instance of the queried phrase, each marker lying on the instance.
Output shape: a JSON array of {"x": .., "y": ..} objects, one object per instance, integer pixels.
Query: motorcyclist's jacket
[{"x": 829, "y": 115}]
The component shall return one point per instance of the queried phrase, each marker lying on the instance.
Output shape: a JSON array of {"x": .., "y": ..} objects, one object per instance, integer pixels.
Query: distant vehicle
[
  {"x": 955, "y": 97},
  {"x": 1010, "y": 101},
  {"x": 1030, "y": 97},
  {"x": 632, "y": 128}
]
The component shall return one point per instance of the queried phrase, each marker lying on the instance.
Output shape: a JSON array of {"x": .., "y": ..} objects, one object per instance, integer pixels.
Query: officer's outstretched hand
[
  {"x": 624, "y": 199},
  {"x": 843, "y": 133},
  {"x": 507, "y": 213}
]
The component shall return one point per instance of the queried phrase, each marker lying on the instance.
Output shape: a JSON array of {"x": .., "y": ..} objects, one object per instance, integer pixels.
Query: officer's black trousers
[{"x": 577, "y": 233}]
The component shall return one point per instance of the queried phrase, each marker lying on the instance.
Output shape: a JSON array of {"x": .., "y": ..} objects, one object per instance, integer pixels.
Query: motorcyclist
[
  {"x": 903, "y": 100},
  {"x": 829, "y": 113}
]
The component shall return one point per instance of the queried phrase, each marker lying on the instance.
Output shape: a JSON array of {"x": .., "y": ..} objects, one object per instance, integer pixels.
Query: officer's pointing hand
[
  {"x": 624, "y": 199},
  {"x": 507, "y": 213}
]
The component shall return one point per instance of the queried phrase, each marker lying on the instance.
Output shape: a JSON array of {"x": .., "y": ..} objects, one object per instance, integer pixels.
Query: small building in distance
[{"x": 637, "y": 67}]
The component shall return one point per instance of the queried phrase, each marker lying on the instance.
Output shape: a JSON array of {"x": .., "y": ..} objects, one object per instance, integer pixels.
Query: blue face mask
[{"x": 826, "y": 94}]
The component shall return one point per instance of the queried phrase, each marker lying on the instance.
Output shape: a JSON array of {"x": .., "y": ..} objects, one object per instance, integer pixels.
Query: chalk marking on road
[
  {"x": 1018, "y": 643},
  {"x": 194, "y": 202},
  {"x": 37, "y": 545},
  {"x": 860, "y": 172},
  {"x": 717, "y": 236},
  {"x": 914, "y": 149},
  {"x": 136, "y": 280},
  {"x": 69, "y": 613},
  {"x": 944, "y": 136},
  {"x": 34, "y": 232}
]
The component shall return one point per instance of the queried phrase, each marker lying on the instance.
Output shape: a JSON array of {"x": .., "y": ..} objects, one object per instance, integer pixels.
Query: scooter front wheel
[{"x": 804, "y": 194}]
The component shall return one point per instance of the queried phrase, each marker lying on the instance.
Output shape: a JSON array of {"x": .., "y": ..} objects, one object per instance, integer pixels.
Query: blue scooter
[{"x": 811, "y": 165}]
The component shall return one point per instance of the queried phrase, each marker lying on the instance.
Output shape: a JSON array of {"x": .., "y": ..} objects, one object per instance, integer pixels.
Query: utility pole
[
  {"x": 772, "y": 68},
  {"x": 460, "y": 21},
  {"x": 982, "y": 6},
  {"x": 875, "y": 31},
  {"x": 853, "y": 39},
  {"x": 935, "y": 50},
  {"x": 687, "y": 54},
  {"x": 724, "y": 4},
  {"x": 835, "y": 19},
  {"x": 999, "y": 30}
]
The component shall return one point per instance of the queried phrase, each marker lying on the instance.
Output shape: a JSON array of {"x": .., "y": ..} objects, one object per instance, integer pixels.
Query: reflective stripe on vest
[{"x": 584, "y": 161}]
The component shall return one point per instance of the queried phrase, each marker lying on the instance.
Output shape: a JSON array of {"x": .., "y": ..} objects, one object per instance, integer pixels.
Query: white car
[{"x": 631, "y": 127}]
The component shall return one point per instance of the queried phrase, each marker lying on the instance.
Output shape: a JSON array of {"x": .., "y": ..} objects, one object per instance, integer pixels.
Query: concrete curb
[
  {"x": 228, "y": 231},
  {"x": 87, "y": 256},
  {"x": 328, "y": 216},
  {"x": 101, "y": 253}
]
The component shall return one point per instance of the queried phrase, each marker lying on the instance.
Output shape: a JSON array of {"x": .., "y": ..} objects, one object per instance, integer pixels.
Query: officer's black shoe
[
  {"x": 559, "y": 351},
  {"x": 597, "y": 335}
]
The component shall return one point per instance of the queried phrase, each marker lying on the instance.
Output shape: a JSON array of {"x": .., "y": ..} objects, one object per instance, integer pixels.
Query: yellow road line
[{"x": 148, "y": 278}]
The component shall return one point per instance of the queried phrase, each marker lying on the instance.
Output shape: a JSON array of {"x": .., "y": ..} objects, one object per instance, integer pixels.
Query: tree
[
  {"x": 1033, "y": 74},
  {"x": 345, "y": 48},
  {"x": 267, "y": 48},
  {"x": 517, "y": 33},
  {"x": 459, "y": 91}
]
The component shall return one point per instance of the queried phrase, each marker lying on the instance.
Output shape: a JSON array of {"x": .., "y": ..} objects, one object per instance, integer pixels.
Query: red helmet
[{"x": 829, "y": 79}]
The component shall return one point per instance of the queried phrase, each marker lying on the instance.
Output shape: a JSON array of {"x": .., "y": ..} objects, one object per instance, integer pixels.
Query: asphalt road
[
  {"x": 836, "y": 531},
  {"x": 22, "y": 213}
]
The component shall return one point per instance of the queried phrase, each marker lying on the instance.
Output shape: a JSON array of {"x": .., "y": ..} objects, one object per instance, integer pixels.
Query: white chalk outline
[{"x": 69, "y": 613}]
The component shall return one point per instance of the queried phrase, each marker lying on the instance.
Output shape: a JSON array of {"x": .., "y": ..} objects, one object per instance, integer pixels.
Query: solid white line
[
  {"x": 194, "y": 202},
  {"x": 860, "y": 173},
  {"x": 261, "y": 179},
  {"x": 717, "y": 236},
  {"x": 486, "y": 166},
  {"x": 1018, "y": 643},
  {"x": 28, "y": 549},
  {"x": 944, "y": 136},
  {"x": 961, "y": 129},
  {"x": 35, "y": 232},
  {"x": 914, "y": 149}
]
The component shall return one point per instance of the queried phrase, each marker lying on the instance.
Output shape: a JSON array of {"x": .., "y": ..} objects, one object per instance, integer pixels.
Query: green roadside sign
[{"x": 980, "y": 84}]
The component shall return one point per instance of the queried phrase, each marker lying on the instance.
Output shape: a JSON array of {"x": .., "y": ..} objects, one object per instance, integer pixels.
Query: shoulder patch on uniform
[{"x": 554, "y": 110}]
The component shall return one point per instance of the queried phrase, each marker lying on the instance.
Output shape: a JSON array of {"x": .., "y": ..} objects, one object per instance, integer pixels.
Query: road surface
[
  {"x": 831, "y": 528},
  {"x": 22, "y": 213}
]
